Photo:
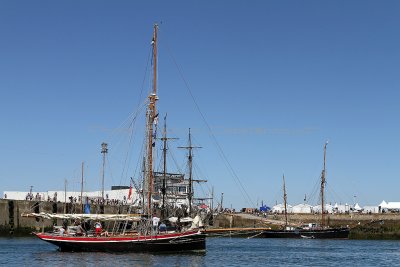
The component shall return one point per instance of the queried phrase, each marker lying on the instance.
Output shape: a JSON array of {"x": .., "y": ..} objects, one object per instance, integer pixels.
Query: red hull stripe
[{"x": 48, "y": 237}]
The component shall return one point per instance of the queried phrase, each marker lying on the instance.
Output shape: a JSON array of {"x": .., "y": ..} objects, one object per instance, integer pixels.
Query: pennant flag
[{"x": 130, "y": 191}]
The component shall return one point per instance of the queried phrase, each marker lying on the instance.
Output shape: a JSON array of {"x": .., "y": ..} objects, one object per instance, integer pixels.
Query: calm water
[{"x": 220, "y": 252}]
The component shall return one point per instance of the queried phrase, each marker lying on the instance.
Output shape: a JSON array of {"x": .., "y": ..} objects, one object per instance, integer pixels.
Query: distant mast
[
  {"x": 323, "y": 182},
  {"x": 285, "y": 200},
  {"x": 151, "y": 116},
  {"x": 83, "y": 165},
  {"x": 65, "y": 196}
]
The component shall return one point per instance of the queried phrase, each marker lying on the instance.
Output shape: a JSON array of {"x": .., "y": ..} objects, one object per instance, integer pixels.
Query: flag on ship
[{"x": 130, "y": 191}]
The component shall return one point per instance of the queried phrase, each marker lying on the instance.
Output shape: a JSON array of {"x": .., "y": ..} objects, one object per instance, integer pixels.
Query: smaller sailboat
[{"x": 311, "y": 230}]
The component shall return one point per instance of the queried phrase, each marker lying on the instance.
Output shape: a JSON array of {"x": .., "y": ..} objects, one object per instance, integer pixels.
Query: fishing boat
[
  {"x": 129, "y": 233},
  {"x": 308, "y": 232},
  {"x": 311, "y": 230}
]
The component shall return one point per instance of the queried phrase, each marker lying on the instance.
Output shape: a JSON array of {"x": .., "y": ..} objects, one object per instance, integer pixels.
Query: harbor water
[{"x": 223, "y": 251}]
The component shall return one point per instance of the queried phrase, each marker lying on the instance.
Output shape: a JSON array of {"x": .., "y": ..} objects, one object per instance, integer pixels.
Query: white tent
[
  {"x": 340, "y": 208},
  {"x": 393, "y": 205},
  {"x": 371, "y": 209},
  {"x": 328, "y": 208},
  {"x": 357, "y": 207},
  {"x": 383, "y": 205},
  {"x": 280, "y": 208},
  {"x": 302, "y": 208}
]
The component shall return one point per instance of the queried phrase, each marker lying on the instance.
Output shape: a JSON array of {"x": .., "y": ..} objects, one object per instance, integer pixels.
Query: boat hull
[
  {"x": 331, "y": 233},
  {"x": 191, "y": 241}
]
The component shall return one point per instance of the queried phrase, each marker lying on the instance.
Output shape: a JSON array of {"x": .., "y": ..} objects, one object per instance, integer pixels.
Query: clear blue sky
[{"x": 274, "y": 80}]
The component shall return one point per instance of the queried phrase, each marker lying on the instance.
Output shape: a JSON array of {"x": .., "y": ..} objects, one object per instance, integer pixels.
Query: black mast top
[{"x": 190, "y": 161}]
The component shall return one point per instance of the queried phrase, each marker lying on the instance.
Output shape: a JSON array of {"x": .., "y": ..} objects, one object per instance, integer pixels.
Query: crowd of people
[
  {"x": 37, "y": 197},
  {"x": 81, "y": 228},
  {"x": 91, "y": 200}
]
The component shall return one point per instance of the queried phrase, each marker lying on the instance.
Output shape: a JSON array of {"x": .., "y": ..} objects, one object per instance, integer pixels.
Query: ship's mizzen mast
[
  {"x": 164, "y": 181},
  {"x": 323, "y": 182},
  {"x": 151, "y": 117}
]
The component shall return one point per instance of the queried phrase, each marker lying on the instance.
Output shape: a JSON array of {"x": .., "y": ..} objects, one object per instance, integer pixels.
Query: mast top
[{"x": 154, "y": 43}]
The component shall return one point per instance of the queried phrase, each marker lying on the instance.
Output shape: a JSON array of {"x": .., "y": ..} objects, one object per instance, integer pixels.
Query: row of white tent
[{"x": 338, "y": 208}]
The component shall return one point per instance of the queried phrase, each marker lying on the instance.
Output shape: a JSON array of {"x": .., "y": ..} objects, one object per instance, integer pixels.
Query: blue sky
[{"x": 274, "y": 80}]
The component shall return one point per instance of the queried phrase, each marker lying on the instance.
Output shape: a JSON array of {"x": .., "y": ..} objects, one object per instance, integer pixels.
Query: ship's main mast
[{"x": 151, "y": 116}]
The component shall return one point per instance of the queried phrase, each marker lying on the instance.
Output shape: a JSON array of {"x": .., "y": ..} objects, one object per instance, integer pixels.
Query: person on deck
[
  {"x": 97, "y": 226},
  {"x": 62, "y": 230},
  {"x": 163, "y": 227},
  {"x": 65, "y": 224},
  {"x": 79, "y": 230},
  {"x": 178, "y": 225},
  {"x": 156, "y": 220}
]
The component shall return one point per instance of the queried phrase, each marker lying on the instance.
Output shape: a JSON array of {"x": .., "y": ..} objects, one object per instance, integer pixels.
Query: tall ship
[
  {"x": 311, "y": 230},
  {"x": 149, "y": 230}
]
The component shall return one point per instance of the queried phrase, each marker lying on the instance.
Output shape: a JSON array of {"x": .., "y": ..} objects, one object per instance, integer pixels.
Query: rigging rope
[{"x": 219, "y": 148}]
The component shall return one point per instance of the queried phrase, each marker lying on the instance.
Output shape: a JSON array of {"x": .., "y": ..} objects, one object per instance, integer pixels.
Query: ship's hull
[
  {"x": 329, "y": 233},
  {"x": 189, "y": 241}
]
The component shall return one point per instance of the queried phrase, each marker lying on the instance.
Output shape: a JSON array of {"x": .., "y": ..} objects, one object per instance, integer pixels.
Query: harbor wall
[
  {"x": 363, "y": 226},
  {"x": 11, "y": 222}
]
